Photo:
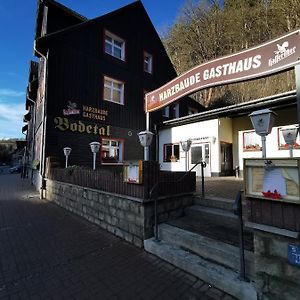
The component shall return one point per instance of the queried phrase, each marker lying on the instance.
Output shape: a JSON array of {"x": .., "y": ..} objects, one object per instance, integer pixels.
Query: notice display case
[
  {"x": 275, "y": 179},
  {"x": 133, "y": 171}
]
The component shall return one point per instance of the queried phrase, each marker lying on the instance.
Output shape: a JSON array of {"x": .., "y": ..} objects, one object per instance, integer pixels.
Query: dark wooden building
[{"x": 90, "y": 84}]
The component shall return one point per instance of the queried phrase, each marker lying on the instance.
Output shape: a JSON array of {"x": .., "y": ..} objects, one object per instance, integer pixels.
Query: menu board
[
  {"x": 132, "y": 172},
  {"x": 258, "y": 177},
  {"x": 272, "y": 179}
]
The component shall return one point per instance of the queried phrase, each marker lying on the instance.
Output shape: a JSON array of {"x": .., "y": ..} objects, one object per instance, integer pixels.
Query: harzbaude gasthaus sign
[{"x": 263, "y": 60}]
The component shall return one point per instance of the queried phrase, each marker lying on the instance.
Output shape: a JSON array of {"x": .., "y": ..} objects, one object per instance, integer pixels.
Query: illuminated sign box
[
  {"x": 133, "y": 172},
  {"x": 274, "y": 179}
]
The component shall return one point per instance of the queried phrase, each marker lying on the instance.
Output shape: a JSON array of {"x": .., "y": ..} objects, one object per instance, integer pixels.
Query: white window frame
[
  {"x": 251, "y": 141},
  {"x": 111, "y": 149},
  {"x": 176, "y": 110},
  {"x": 176, "y": 159},
  {"x": 113, "y": 88},
  {"x": 148, "y": 64},
  {"x": 166, "y": 111},
  {"x": 114, "y": 45}
]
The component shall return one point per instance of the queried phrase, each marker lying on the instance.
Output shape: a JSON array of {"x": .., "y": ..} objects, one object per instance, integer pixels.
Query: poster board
[
  {"x": 274, "y": 179},
  {"x": 133, "y": 172}
]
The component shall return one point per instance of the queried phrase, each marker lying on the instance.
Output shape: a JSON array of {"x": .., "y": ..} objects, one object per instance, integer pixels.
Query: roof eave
[{"x": 274, "y": 101}]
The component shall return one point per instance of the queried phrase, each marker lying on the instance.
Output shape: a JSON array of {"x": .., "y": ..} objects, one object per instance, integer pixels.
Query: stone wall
[
  {"x": 36, "y": 178},
  {"x": 276, "y": 278},
  {"x": 129, "y": 218}
]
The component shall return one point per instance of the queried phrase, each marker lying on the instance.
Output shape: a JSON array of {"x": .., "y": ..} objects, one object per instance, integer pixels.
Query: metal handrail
[
  {"x": 173, "y": 181},
  {"x": 154, "y": 188}
]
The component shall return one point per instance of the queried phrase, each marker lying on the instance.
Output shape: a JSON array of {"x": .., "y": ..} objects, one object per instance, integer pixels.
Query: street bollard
[
  {"x": 238, "y": 211},
  {"x": 237, "y": 171}
]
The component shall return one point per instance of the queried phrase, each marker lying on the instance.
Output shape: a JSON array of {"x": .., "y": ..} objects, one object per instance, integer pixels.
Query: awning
[{"x": 24, "y": 128}]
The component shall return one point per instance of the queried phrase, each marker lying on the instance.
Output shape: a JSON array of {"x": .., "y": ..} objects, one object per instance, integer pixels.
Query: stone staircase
[{"x": 205, "y": 243}]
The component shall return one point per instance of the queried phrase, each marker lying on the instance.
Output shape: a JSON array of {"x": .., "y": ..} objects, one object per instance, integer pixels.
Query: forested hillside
[
  {"x": 7, "y": 147},
  {"x": 207, "y": 29}
]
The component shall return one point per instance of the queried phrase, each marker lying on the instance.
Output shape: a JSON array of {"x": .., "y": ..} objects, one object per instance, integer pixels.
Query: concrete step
[
  {"x": 216, "y": 251},
  {"x": 197, "y": 211},
  {"x": 215, "y": 202},
  {"x": 217, "y": 275}
]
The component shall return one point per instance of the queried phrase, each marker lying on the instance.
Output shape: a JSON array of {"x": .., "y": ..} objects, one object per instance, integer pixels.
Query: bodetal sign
[
  {"x": 271, "y": 57},
  {"x": 64, "y": 124}
]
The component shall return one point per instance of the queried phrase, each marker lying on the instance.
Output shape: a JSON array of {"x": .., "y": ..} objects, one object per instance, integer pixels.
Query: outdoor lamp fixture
[
  {"x": 145, "y": 140},
  {"x": 95, "y": 146},
  {"x": 186, "y": 145},
  {"x": 67, "y": 151},
  {"x": 262, "y": 121},
  {"x": 290, "y": 135}
]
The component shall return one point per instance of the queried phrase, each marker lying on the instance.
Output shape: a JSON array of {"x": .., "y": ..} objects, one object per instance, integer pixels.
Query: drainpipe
[
  {"x": 33, "y": 135},
  {"x": 44, "y": 118},
  {"x": 24, "y": 158}
]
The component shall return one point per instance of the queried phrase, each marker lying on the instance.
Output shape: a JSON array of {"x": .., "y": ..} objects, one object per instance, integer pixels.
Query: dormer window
[
  {"x": 114, "y": 46},
  {"x": 148, "y": 63}
]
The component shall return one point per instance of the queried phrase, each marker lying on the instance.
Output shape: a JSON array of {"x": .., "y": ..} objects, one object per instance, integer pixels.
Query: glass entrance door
[{"x": 201, "y": 152}]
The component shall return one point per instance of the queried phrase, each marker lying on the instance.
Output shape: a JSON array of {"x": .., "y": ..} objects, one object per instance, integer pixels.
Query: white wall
[
  {"x": 200, "y": 132},
  {"x": 36, "y": 179},
  {"x": 228, "y": 130}
]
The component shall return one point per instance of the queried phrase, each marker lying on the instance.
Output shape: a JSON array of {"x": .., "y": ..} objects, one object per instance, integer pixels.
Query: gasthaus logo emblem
[
  {"x": 283, "y": 51},
  {"x": 71, "y": 110}
]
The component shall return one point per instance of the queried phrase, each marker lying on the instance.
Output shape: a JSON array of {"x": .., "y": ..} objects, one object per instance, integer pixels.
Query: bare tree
[{"x": 206, "y": 30}]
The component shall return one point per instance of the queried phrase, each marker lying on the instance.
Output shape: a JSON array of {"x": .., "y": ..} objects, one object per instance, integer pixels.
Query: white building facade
[{"x": 224, "y": 137}]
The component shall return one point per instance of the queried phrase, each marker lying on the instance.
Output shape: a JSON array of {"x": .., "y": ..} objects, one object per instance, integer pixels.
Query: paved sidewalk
[
  {"x": 220, "y": 187},
  {"x": 48, "y": 253}
]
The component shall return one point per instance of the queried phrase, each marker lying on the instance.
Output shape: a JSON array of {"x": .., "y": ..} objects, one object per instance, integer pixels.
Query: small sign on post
[{"x": 294, "y": 255}]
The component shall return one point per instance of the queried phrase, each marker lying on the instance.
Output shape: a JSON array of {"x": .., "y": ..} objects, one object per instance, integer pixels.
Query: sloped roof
[
  {"x": 66, "y": 9},
  {"x": 41, "y": 42},
  {"x": 39, "y": 16},
  {"x": 272, "y": 102},
  {"x": 24, "y": 128},
  {"x": 137, "y": 4}
]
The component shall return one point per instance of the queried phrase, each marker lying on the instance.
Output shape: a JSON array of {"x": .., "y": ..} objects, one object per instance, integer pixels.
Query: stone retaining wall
[
  {"x": 129, "y": 218},
  {"x": 276, "y": 278}
]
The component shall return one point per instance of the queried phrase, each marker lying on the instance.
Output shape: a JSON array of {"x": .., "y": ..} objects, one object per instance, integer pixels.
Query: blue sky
[{"x": 17, "y": 24}]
